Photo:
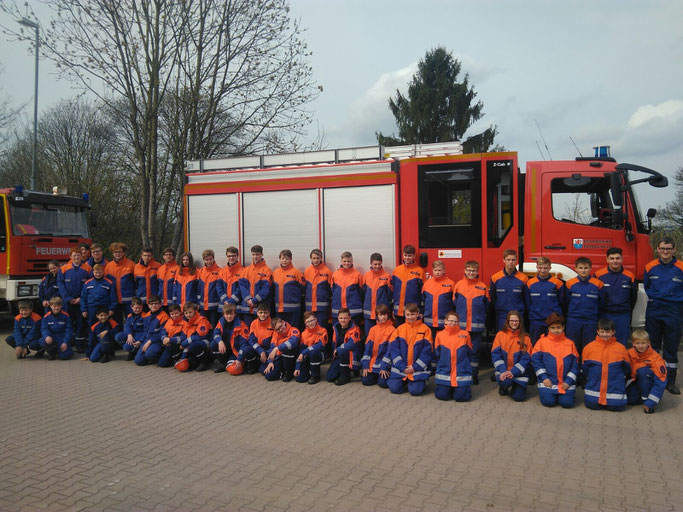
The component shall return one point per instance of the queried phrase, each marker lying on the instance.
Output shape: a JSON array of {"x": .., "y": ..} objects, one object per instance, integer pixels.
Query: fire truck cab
[{"x": 36, "y": 227}]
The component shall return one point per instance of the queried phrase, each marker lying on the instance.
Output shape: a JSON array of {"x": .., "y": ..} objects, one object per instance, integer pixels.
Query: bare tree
[{"x": 230, "y": 77}]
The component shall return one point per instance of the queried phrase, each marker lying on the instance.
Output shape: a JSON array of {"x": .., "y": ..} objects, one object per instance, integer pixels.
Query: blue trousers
[
  {"x": 597, "y": 407},
  {"x": 537, "y": 328},
  {"x": 397, "y": 386},
  {"x": 476, "y": 344},
  {"x": 275, "y": 373},
  {"x": 310, "y": 366},
  {"x": 581, "y": 332},
  {"x": 622, "y": 324},
  {"x": 149, "y": 356},
  {"x": 459, "y": 394},
  {"x": 121, "y": 339},
  {"x": 169, "y": 355},
  {"x": 373, "y": 378},
  {"x": 517, "y": 392},
  {"x": 341, "y": 361},
  {"x": 663, "y": 323},
  {"x": 638, "y": 391},
  {"x": 53, "y": 348},
  {"x": 33, "y": 345},
  {"x": 97, "y": 349},
  {"x": 550, "y": 398}
]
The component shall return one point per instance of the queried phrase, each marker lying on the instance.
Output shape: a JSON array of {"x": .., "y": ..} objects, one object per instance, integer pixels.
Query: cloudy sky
[{"x": 602, "y": 72}]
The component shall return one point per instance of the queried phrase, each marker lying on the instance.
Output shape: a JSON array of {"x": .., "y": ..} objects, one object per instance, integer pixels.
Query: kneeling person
[
  {"x": 102, "y": 339},
  {"x": 311, "y": 350},
  {"x": 453, "y": 354},
  {"x": 58, "y": 335},
  {"x": 648, "y": 371},
  {"x": 347, "y": 349},
  {"x": 283, "y": 345},
  {"x": 410, "y": 350},
  {"x": 229, "y": 337}
]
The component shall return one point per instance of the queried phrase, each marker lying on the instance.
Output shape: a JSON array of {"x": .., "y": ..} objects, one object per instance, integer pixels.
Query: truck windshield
[{"x": 54, "y": 220}]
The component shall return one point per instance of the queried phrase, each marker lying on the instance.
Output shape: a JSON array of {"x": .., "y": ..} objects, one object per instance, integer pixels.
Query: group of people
[{"x": 392, "y": 330}]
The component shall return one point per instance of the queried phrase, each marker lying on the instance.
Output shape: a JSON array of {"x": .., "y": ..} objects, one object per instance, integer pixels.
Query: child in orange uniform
[
  {"x": 377, "y": 288},
  {"x": 437, "y": 297},
  {"x": 511, "y": 357},
  {"x": 453, "y": 350},
  {"x": 606, "y": 368},
  {"x": 197, "y": 330},
  {"x": 648, "y": 373},
  {"x": 288, "y": 290},
  {"x": 410, "y": 350},
  {"x": 556, "y": 363},
  {"x": 311, "y": 350},
  {"x": 347, "y": 290},
  {"x": 376, "y": 363}
]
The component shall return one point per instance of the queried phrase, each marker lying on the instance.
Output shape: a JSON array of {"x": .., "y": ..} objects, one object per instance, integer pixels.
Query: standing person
[
  {"x": 471, "y": 301},
  {"x": 347, "y": 290},
  {"x": 85, "y": 251},
  {"x": 185, "y": 284},
  {"x": 621, "y": 293},
  {"x": 663, "y": 281},
  {"x": 96, "y": 256},
  {"x": 585, "y": 300},
  {"x": 97, "y": 292},
  {"x": 437, "y": 297},
  {"x": 288, "y": 290},
  {"x": 406, "y": 282},
  {"x": 228, "y": 279},
  {"x": 145, "y": 272},
  {"x": 318, "y": 293},
  {"x": 255, "y": 285},
  {"x": 511, "y": 357},
  {"x": 410, "y": 350},
  {"x": 377, "y": 287},
  {"x": 166, "y": 277},
  {"x": 208, "y": 287},
  {"x": 508, "y": 289},
  {"x": 545, "y": 294},
  {"x": 49, "y": 287},
  {"x": 121, "y": 271},
  {"x": 71, "y": 278}
]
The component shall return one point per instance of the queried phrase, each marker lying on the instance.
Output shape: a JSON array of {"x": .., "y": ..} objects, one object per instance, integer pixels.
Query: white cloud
[{"x": 669, "y": 112}]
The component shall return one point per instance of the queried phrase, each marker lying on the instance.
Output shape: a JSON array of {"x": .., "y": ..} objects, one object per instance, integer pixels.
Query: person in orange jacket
[
  {"x": 471, "y": 302},
  {"x": 511, "y": 357},
  {"x": 196, "y": 354},
  {"x": 376, "y": 363},
  {"x": 207, "y": 286},
  {"x": 648, "y": 373},
  {"x": 172, "y": 336},
  {"x": 318, "y": 292},
  {"x": 166, "y": 277},
  {"x": 347, "y": 290},
  {"x": 121, "y": 271},
  {"x": 185, "y": 284},
  {"x": 605, "y": 368},
  {"x": 406, "y": 283},
  {"x": 377, "y": 288},
  {"x": 253, "y": 353},
  {"x": 437, "y": 297},
  {"x": 256, "y": 283},
  {"x": 311, "y": 350},
  {"x": 228, "y": 278},
  {"x": 146, "y": 276},
  {"x": 453, "y": 350},
  {"x": 410, "y": 350},
  {"x": 284, "y": 344},
  {"x": 288, "y": 290},
  {"x": 556, "y": 363}
]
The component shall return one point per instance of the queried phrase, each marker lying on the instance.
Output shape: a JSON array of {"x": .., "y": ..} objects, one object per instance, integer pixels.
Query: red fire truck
[
  {"x": 36, "y": 227},
  {"x": 451, "y": 206}
]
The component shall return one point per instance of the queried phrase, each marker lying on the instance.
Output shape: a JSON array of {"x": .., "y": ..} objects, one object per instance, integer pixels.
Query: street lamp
[{"x": 32, "y": 24}]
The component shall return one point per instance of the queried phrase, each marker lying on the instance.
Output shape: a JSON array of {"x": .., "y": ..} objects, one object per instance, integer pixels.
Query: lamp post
[{"x": 32, "y": 24}]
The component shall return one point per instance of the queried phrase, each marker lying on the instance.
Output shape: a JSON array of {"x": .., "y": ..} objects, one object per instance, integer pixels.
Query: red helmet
[
  {"x": 234, "y": 369},
  {"x": 183, "y": 365}
]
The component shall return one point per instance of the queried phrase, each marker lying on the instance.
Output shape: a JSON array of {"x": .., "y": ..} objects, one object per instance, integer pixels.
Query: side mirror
[
  {"x": 651, "y": 212},
  {"x": 424, "y": 259}
]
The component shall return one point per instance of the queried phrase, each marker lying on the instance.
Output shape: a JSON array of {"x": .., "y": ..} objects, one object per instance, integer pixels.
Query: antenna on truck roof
[
  {"x": 577, "y": 149},
  {"x": 543, "y": 139}
]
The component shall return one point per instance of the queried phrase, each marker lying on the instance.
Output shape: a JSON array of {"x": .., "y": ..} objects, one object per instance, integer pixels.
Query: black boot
[
  {"x": 51, "y": 351},
  {"x": 39, "y": 354},
  {"x": 671, "y": 386},
  {"x": 344, "y": 376},
  {"x": 205, "y": 361},
  {"x": 287, "y": 368},
  {"x": 251, "y": 366},
  {"x": 220, "y": 361}
]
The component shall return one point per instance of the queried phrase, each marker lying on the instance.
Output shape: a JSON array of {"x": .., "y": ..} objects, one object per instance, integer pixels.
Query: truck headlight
[{"x": 24, "y": 290}]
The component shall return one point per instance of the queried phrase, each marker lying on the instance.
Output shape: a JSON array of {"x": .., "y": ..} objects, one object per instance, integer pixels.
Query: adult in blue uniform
[{"x": 663, "y": 281}]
